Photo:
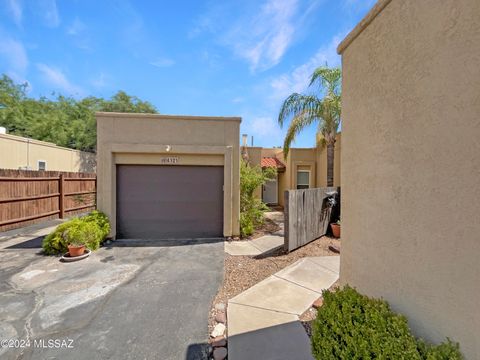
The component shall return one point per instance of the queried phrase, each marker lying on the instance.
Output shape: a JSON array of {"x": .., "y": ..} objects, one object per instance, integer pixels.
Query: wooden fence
[
  {"x": 28, "y": 197},
  {"x": 307, "y": 215}
]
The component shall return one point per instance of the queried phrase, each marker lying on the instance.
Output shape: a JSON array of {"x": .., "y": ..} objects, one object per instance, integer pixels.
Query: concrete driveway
[{"x": 129, "y": 302}]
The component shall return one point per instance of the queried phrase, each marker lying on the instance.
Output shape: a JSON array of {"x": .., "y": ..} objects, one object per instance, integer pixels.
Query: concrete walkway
[
  {"x": 263, "y": 321},
  {"x": 261, "y": 245},
  {"x": 254, "y": 247}
]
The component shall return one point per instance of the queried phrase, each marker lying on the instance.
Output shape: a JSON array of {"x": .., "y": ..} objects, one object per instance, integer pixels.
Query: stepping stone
[
  {"x": 238, "y": 248},
  {"x": 268, "y": 242}
]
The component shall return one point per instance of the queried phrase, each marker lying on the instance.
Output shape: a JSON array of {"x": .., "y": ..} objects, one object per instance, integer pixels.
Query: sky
[{"x": 219, "y": 58}]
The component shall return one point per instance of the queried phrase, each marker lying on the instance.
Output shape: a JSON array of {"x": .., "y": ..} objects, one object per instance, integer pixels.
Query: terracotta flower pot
[
  {"x": 335, "y": 230},
  {"x": 74, "y": 250}
]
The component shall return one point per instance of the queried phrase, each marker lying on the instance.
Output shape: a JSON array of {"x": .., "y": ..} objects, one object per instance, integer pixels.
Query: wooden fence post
[{"x": 61, "y": 197}]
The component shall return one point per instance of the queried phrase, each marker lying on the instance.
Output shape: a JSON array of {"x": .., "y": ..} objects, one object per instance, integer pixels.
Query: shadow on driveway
[
  {"x": 163, "y": 242},
  {"x": 35, "y": 243}
]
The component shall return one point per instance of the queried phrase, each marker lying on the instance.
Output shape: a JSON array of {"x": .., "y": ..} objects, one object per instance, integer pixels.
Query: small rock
[
  {"x": 220, "y": 317},
  {"x": 318, "y": 303},
  {"x": 219, "y": 341},
  {"x": 334, "y": 249},
  {"x": 220, "y": 307},
  {"x": 218, "y": 330},
  {"x": 220, "y": 353}
]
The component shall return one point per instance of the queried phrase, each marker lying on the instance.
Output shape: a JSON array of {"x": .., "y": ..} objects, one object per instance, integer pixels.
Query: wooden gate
[{"x": 307, "y": 215}]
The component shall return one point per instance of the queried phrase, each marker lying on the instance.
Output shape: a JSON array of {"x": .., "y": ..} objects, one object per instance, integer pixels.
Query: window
[
  {"x": 303, "y": 179},
  {"x": 42, "y": 165}
]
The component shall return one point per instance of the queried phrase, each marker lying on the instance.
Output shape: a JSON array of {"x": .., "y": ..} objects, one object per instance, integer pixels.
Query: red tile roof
[{"x": 272, "y": 162}]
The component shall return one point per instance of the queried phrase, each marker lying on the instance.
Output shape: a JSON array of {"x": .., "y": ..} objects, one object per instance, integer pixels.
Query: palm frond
[
  {"x": 321, "y": 142},
  {"x": 328, "y": 79},
  {"x": 297, "y": 124},
  {"x": 297, "y": 104}
]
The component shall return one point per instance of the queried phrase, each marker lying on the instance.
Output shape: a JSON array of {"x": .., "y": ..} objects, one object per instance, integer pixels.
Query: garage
[
  {"x": 169, "y": 201},
  {"x": 168, "y": 176}
]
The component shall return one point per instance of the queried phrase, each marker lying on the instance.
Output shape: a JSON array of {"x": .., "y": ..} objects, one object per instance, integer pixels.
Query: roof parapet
[{"x": 362, "y": 25}]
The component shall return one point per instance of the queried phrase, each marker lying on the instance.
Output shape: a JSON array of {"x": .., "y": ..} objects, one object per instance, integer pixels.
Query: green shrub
[
  {"x": 252, "y": 208},
  {"x": 101, "y": 220},
  {"x": 90, "y": 230},
  {"x": 54, "y": 243},
  {"x": 352, "y": 326},
  {"x": 82, "y": 232}
]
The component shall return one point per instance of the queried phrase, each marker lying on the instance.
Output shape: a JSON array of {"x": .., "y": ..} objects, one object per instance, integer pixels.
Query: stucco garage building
[{"x": 169, "y": 177}]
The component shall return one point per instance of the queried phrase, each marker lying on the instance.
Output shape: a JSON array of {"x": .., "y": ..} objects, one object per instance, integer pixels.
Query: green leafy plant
[
  {"x": 252, "y": 208},
  {"x": 101, "y": 220},
  {"x": 353, "y": 326},
  {"x": 83, "y": 232},
  {"x": 90, "y": 230}
]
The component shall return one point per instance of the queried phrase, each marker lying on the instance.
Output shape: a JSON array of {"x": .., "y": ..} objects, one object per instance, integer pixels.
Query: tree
[
  {"x": 324, "y": 110},
  {"x": 252, "y": 208},
  {"x": 63, "y": 120}
]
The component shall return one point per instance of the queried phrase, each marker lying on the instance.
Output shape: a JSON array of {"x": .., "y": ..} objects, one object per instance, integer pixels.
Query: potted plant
[
  {"x": 77, "y": 236},
  {"x": 336, "y": 228},
  {"x": 76, "y": 247}
]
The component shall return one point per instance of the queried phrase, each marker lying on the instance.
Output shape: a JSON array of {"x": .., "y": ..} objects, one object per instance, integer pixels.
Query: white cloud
[
  {"x": 264, "y": 130},
  {"x": 162, "y": 62},
  {"x": 100, "y": 81},
  {"x": 298, "y": 79},
  {"x": 262, "y": 34},
  {"x": 238, "y": 99},
  {"x": 58, "y": 80},
  {"x": 265, "y": 126},
  {"x": 50, "y": 13},
  {"x": 78, "y": 32},
  {"x": 15, "y": 8},
  {"x": 76, "y": 28},
  {"x": 263, "y": 39},
  {"x": 15, "y": 56}
]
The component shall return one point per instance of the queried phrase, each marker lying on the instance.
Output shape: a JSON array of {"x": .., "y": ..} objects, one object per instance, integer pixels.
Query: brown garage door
[{"x": 165, "y": 202}]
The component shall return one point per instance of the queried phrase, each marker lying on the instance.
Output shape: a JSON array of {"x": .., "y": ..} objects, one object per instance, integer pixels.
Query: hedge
[{"x": 353, "y": 326}]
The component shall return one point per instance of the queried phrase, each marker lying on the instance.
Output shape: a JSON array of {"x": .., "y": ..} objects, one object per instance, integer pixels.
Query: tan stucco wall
[
  {"x": 313, "y": 159},
  {"x": 18, "y": 152},
  {"x": 411, "y": 165},
  {"x": 149, "y": 139},
  {"x": 300, "y": 159}
]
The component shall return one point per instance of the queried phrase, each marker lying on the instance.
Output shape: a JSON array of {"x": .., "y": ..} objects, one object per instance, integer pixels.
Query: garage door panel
[{"x": 169, "y": 201}]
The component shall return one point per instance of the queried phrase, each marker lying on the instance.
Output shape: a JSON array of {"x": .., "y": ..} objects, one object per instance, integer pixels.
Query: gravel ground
[
  {"x": 268, "y": 227},
  {"x": 242, "y": 272}
]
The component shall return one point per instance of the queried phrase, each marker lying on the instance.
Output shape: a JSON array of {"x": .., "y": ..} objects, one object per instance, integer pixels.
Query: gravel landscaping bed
[
  {"x": 242, "y": 272},
  {"x": 269, "y": 227}
]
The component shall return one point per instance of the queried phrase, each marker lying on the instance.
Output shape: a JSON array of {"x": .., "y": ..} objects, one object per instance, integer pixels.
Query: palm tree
[{"x": 304, "y": 110}]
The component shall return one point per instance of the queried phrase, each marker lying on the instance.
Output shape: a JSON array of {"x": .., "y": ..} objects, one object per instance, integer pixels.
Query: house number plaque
[{"x": 170, "y": 160}]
